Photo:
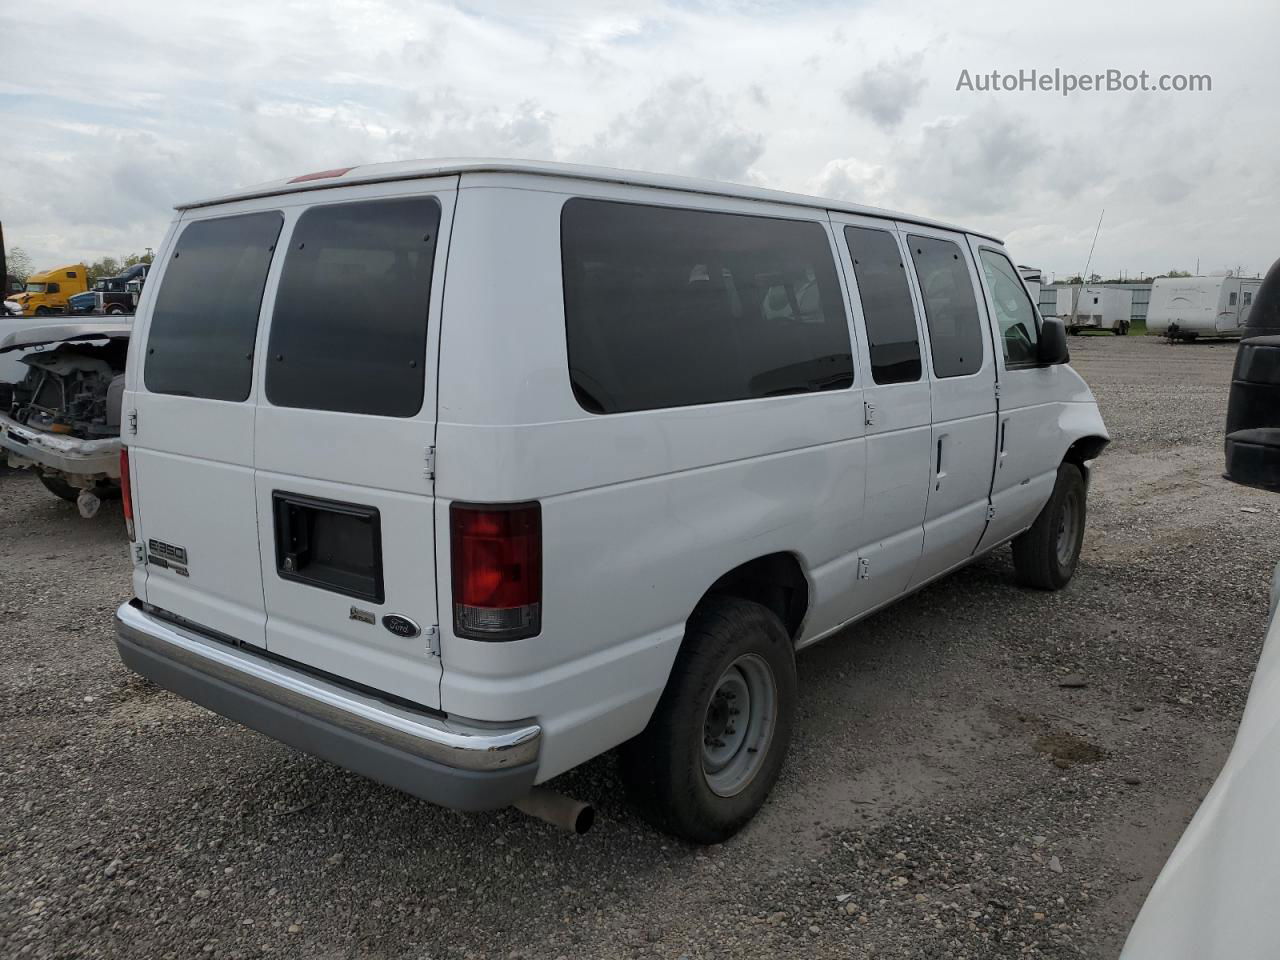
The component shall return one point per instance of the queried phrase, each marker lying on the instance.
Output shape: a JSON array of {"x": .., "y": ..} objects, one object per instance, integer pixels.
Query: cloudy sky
[{"x": 115, "y": 112}]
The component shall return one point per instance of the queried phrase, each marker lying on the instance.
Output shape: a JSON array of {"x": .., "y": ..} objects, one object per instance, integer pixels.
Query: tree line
[{"x": 20, "y": 267}]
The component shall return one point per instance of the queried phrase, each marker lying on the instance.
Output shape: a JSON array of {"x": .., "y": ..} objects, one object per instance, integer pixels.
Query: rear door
[
  {"x": 193, "y": 404},
  {"x": 963, "y": 393},
  {"x": 345, "y": 433}
]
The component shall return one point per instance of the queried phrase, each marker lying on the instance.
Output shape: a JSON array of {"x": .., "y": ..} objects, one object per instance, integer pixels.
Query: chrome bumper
[
  {"x": 64, "y": 454},
  {"x": 457, "y": 763}
]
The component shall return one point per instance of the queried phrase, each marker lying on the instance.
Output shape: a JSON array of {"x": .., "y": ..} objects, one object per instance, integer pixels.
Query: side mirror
[{"x": 1052, "y": 347}]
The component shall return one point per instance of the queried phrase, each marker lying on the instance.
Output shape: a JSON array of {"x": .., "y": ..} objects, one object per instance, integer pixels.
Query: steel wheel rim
[
  {"x": 738, "y": 725},
  {"x": 1067, "y": 531}
]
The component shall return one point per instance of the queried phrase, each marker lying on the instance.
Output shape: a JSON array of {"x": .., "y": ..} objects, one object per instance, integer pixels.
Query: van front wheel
[
  {"x": 717, "y": 740},
  {"x": 1045, "y": 556}
]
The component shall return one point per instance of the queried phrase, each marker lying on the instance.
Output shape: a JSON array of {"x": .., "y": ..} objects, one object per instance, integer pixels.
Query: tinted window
[
  {"x": 1016, "y": 319},
  {"x": 57, "y": 288},
  {"x": 955, "y": 333},
  {"x": 206, "y": 314},
  {"x": 886, "y": 305},
  {"x": 349, "y": 330},
  {"x": 667, "y": 307}
]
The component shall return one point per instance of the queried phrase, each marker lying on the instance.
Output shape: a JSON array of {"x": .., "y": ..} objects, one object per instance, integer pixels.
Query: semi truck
[{"x": 50, "y": 291}]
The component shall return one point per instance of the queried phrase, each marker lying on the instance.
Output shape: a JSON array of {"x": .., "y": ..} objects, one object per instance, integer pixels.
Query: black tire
[
  {"x": 1045, "y": 557},
  {"x": 59, "y": 487},
  {"x": 43, "y": 312},
  {"x": 664, "y": 768}
]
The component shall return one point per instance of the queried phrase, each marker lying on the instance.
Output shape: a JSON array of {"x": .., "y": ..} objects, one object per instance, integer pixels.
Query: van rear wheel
[
  {"x": 716, "y": 741},
  {"x": 1046, "y": 556}
]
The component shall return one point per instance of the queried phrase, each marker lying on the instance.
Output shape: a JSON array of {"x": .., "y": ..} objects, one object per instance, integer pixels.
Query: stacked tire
[{"x": 1253, "y": 415}]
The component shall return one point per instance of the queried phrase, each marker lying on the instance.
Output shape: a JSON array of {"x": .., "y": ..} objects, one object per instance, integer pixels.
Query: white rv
[
  {"x": 1100, "y": 308},
  {"x": 1183, "y": 308}
]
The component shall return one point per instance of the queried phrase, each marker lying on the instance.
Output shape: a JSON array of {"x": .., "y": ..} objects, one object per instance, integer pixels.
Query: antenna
[{"x": 1084, "y": 277}]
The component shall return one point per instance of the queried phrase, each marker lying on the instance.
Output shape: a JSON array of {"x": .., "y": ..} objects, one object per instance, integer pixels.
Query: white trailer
[
  {"x": 1101, "y": 308},
  {"x": 1061, "y": 301},
  {"x": 1031, "y": 278},
  {"x": 1184, "y": 308}
]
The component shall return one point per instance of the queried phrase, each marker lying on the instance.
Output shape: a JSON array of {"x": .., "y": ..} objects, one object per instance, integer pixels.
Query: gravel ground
[{"x": 982, "y": 771}]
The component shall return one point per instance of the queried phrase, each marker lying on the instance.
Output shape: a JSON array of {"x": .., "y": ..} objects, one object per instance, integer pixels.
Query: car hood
[{"x": 38, "y": 335}]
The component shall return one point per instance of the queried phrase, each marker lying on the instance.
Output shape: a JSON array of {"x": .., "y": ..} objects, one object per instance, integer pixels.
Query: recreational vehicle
[{"x": 1184, "y": 308}]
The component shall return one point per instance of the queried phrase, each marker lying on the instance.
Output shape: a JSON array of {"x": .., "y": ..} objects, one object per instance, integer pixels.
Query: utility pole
[{"x": 1084, "y": 277}]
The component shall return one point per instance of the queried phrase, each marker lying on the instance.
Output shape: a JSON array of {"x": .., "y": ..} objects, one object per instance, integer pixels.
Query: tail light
[
  {"x": 126, "y": 493},
  {"x": 497, "y": 570}
]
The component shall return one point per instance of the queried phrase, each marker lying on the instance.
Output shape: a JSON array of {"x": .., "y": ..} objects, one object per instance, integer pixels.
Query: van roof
[{"x": 415, "y": 169}]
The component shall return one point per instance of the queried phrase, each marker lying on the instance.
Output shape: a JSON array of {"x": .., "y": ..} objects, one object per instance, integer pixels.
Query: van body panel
[{"x": 782, "y": 473}]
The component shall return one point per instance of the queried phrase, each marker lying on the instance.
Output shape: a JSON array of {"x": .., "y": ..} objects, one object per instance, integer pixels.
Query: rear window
[
  {"x": 955, "y": 331},
  {"x": 206, "y": 314},
  {"x": 668, "y": 307},
  {"x": 886, "y": 305},
  {"x": 349, "y": 332}
]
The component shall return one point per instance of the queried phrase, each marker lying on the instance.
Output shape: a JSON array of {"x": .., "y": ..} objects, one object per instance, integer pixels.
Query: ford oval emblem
[{"x": 401, "y": 626}]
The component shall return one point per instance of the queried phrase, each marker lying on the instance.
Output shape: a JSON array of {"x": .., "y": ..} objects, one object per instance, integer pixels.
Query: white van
[
  {"x": 458, "y": 474},
  {"x": 1185, "y": 308}
]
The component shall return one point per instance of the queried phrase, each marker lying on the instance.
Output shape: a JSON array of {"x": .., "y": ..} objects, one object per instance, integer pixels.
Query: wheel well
[
  {"x": 776, "y": 581},
  {"x": 1084, "y": 449}
]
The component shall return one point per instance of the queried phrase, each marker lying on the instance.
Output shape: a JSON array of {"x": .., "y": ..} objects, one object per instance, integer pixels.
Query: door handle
[
  {"x": 939, "y": 472},
  {"x": 1004, "y": 436}
]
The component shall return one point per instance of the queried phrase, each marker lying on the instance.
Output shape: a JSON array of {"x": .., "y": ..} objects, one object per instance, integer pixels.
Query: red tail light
[
  {"x": 126, "y": 493},
  {"x": 497, "y": 570}
]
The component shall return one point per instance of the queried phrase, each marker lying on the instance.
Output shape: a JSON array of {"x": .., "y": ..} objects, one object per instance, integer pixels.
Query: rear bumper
[
  {"x": 455, "y": 763},
  {"x": 51, "y": 451}
]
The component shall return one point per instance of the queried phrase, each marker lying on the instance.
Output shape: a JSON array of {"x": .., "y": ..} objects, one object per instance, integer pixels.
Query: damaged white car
[{"x": 60, "y": 406}]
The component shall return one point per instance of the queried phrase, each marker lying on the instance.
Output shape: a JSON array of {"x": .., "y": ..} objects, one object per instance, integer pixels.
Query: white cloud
[
  {"x": 887, "y": 91},
  {"x": 99, "y": 149}
]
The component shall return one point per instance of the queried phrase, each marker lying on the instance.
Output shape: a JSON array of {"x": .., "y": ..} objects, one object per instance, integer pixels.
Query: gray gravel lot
[{"x": 981, "y": 771}]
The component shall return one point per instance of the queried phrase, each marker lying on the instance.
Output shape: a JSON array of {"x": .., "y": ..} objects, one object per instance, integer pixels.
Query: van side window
[
  {"x": 669, "y": 307},
  {"x": 890, "y": 318},
  {"x": 349, "y": 331},
  {"x": 206, "y": 314},
  {"x": 955, "y": 332},
  {"x": 1232, "y": 301},
  {"x": 1014, "y": 315}
]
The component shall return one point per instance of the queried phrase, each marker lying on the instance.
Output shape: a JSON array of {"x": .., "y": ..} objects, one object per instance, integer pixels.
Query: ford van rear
[{"x": 281, "y": 421}]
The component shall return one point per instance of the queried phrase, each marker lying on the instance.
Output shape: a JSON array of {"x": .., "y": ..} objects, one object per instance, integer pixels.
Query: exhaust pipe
[{"x": 557, "y": 810}]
